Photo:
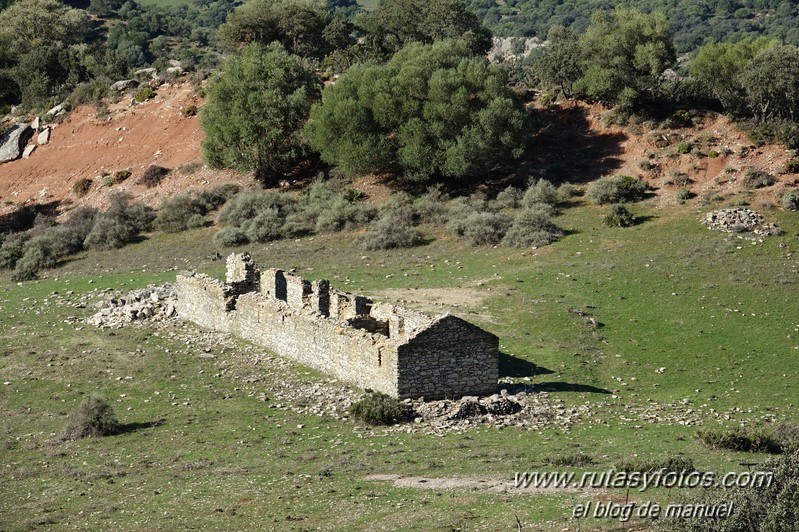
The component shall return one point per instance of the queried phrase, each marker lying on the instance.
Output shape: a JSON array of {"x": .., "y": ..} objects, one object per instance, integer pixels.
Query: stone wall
[{"x": 391, "y": 349}]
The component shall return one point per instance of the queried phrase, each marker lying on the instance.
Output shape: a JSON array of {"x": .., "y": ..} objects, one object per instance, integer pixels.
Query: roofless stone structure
[{"x": 398, "y": 351}]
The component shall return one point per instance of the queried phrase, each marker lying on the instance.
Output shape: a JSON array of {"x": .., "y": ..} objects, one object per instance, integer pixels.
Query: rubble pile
[
  {"x": 154, "y": 303},
  {"x": 740, "y": 220}
]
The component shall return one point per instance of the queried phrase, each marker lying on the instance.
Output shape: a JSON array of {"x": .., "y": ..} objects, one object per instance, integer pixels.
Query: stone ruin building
[{"x": 394, "y": 350}]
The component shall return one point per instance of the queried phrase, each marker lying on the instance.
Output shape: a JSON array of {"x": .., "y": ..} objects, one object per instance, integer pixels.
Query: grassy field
[{"x": 695, "y": 328}]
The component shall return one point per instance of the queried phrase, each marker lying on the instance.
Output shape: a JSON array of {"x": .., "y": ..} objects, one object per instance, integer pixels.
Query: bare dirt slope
[{"x": 131, "y": 136}]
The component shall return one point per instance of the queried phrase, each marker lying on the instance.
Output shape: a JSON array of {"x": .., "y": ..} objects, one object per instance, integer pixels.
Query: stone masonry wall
[{"x": 397, "y": 351}]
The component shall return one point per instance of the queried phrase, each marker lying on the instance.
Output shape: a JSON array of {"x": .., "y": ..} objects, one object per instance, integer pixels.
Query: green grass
[{"x": 667, "y": 293}]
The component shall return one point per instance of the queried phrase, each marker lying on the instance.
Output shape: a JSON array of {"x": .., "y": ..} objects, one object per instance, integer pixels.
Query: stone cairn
[
  {"x": 740, "y": 220},
  {"x": 154, "y": 303}
]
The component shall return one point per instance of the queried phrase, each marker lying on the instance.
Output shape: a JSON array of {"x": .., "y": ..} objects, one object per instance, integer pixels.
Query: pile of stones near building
[
  {"x": 154, "y": 303},
  {"x": 740, "y": 220}
]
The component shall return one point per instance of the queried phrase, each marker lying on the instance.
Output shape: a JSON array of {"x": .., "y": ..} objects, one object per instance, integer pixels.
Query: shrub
[
  {"x": 393, "y": 230},
  {"x": 616, "y": 189},
  {"x": 82, "y": 187},
  {"x": 174, "y": 214},
  {"x": 790, "y": 200},
  {"x": 265, "y": 226},
  {"x": 675, "y": 464},
  {"x": 190, "y": 167},
  {"x": 757, "y": 178},
  {"x": 144, "y": 94},
  {"x": 680, "y": 179},
  {"x": 542, "y": 191},
  {"x": 683, "y": 148},
  {"x": 509, "y": 198},
  {"x": 12, "y": 249},
  {"x": 533, "y": 227},
  {"x": 432, "y": 206},
  {"x": 792, "y": 166},
  {"x": 196, "y": 221},
  {"x": 82, "y": 220},
  {"x": 94, "y": 417},
  {"x": 740, "y": 440},
  {"x": 38, "y": 255},
  {"x": 230, "y": 236},
  {"x": 218, "y": 196},
  {"x": 683, "y": 195},
  {"x": 486, "y": 228},
  {"x": 566, "y": 192},
  {"x": 619, "y": 216},
  {"x": 766, "y": 508},
  {"x": 342, "y": 214},
  {"x": 120, "y": 176},
  {"x": 188, "y": 110},
  {"x": 120, "y": 224},
  {"x": 153, "y": 175},
  {"x": 377, "y": 408},
  {"x": 247, "y": 204},
  {"x": 647, "y": 166},
  {"x": 712, "y": 154}
]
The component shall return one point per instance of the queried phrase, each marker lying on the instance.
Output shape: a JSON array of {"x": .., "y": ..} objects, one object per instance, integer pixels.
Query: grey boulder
[{"x": 14, "y": 141}]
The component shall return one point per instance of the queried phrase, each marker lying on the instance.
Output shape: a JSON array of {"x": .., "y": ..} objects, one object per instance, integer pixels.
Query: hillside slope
[{"x": 130, "y": 136}]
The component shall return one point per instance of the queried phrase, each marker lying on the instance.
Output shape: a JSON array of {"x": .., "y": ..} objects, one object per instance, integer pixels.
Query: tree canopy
[
  {"x": 431, "y": 110},
  {"x": 255, "y": 110},
  {"x": 624, "y": 53}
]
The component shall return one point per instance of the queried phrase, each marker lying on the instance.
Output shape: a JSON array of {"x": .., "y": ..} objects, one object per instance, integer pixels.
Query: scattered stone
[
  {"x": 44, "y": 136},
  {"x": 28, "y": 150},
  {"x": 35, "y": 123},
  {"x": 145, "y": 73},
  {"x": 13, "y": 142},
  {"x": 740, "y": 220},
  {"x": 124, "y": 84},
  {"x": 174, "y": 71},
  {"x": 154, "y": 303},
  {"x": 58, "y": 110}
]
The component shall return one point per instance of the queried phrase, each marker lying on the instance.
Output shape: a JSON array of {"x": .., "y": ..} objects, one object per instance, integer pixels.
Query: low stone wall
[{"x": 394, "y": 350}]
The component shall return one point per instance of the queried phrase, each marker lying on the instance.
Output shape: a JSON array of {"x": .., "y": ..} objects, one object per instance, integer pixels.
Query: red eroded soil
[{"x": 131, "y": 136}]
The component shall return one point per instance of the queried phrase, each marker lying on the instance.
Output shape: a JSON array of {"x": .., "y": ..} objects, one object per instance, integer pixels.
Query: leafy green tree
[
  {"x": 299, "y": 25},
  {"x": 40, "y": 39},
  {"x": 771, "y": 82},
  {"x": 255, "y": 110},
  {"x": 624, "y": 53},
  {"x": 431, "y": 110},
  {"x": 718, "y": 66},
  {"x": 558, "y": 66},
  {"x": 398, "y": 22}
]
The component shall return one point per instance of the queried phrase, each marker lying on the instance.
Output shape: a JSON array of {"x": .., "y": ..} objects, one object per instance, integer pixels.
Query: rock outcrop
[{"x": 13, "y": 142}]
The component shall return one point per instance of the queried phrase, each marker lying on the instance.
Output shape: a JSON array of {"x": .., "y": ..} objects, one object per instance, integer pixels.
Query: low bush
[
  {"x": 619, "y": 216},
  {"x": 566, "y": 192},
  {"x": 757, "y": 178},
  {"x": 542, "y": 191},
  {"x": 486, "y": 228},
  {"x": 792, "y": 166},
  {"x": 120, "y": 176},
  {"x": 770, "y": 507},
  {"x": 616, "y": 189},
  {"x": 82, "y": 187},
  {"x": 218, "y": 196},
  {"x": 12, "y": 249},
  {"x": 683, "y": 195},
  {"x": 509, "y": 198},
  {"x": 343, "y": 214},
  {"x": 196, "y": 221},
  {"x": 120, "y": 224},
  {"x": 144, "y": 94},
  {"x": 533, "y": 227},
  {"x": 741, "y": 440},
  {"x": 153, "y": 175},
  {"x": 174, "y": 214},
  {"x": 94, "y": 417},
  {"x": 230, "y": 237},
  {"x": 38, "y": 255},
  {"x": 790, "y": 200},
  {"x": 189, "y": 110},
  {"x": 683, "y": 148},
  {"x": 377, "y": 408},
  {"x": 681, "y": 179},
  {"x": 671, "y": 464},
  {"x": 432, "y": 207},
  {"x": 394, "y": 229}
]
